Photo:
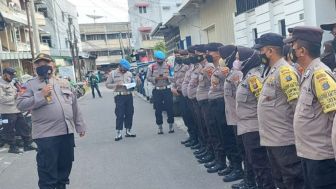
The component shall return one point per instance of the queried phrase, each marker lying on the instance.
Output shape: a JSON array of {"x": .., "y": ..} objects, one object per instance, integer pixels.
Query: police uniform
[
  {"x": 162, "y": 95},
  {"x": 314, "y": 116},
  {"x": 247, "y": 95},
  {"x": 8, "y": 111},
  {"x": 276, "y": 107},
  {"x": 180, "y": 72},
  {"x": 54, "y": 118},
  {"x": 123, "y": 98}
]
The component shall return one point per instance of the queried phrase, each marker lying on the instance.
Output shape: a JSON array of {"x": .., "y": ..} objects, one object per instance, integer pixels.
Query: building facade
[
  {"x": 109, "y": 42},
  {"x": 145, "y": 16},
  {"x": 256, "y": 17}
]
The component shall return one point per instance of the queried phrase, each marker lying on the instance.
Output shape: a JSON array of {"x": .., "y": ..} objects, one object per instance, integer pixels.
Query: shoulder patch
[
  {"x": 289, "y": 83},
  {"x": 325, "y": 88},
  {"x": 255, "y": 85}
]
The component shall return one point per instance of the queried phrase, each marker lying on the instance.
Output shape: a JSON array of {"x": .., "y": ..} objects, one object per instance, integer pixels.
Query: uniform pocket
[
  {"x": 269, "y": 97},
  {"x": 228, "y": 91},
  {"x": 241, "y": 97},
  {"x": 67, "y": 95},
  {"x": 306, "y": 104}
]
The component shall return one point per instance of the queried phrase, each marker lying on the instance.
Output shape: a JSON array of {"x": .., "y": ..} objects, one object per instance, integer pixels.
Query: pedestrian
[
  {"x": 55, "y": 118},
  {"x": 160, "y": 76},
  {"x": 276, "y": 106},
  {"x": 15, "y": 122},
  {"x": 247, "y": 95},
  {"x": 124, "y": 110},
  {"x": 315, "y": 110},
  {"x": 94, "y": 81}
]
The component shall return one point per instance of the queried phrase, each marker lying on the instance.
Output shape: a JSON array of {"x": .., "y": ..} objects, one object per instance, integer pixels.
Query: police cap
[
  {"x": 9, "y": 70},
  {"x": 213, "y": 46},
  {"x": 200, "y": 48},
  {"x": 43, "y": 56},
  {"x": 269, "y": 39},
  {"x": 328, "y": 27},
  {"x": 306, "y": 33}
]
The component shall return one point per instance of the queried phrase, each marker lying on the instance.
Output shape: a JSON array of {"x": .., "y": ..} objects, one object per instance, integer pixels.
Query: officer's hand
[
  {"x": 174, "y": 91},
  {"x": 225, "y": 70},
  {"x": 81, "y": 134},
  {"x": 47, "y": 90}
]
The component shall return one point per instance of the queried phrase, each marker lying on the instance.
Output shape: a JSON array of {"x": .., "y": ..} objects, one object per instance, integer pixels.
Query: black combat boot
[
  {"x": 13, "y": 149},
  {"x": 217, "y": 167}
]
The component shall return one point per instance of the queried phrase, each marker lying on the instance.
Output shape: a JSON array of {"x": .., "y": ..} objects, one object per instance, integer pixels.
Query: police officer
[
  {"x": 159, "y": 74},
  {"x": 276, "y": 107},
  {"x": 123, "y": 98},
  {"x": 315, "y": 110},
  {"x": 216, "y": 110},
  {"x": 16, "y": 123},
  {"x": 181, "y": 69},
  {"x": 247, "y": 95},
  {"x": 55, "y": 117},
  {"x": 329, "y": 55}
]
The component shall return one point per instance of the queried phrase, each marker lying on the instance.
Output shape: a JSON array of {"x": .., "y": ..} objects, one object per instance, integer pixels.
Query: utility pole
[
  {"x": 77, "y": 57},
  {"x": 71, "y": 44},
  {"x": 35, "y": 29},
  {"x": 121, "y": 46},
  {"x": 29, "y": 30}
]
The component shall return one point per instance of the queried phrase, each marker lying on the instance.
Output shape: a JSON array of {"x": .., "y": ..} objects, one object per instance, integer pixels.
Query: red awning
[
  {"x": 142, "y": 4},
  {"x": 145, "y": 29}
]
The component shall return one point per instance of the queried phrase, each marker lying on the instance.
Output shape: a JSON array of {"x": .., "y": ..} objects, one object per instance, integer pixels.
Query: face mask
[
  {"x": 292, "y": 56},
  {"x": 44, "y": 70},
  {"x": 264, "y": 59},
  {"x": 186, "y": 61},
  {"x": 159, "y": 62},
  {"x": 178, "y": 60},
  {"x": 237, "y": 65},
  {"x": 209, "y": 58},
  {"x": 9, "y": 79},
  {"x": 199, "y": 58}
]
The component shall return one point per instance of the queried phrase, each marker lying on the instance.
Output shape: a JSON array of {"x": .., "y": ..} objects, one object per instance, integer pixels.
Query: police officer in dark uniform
[
  {"x": 160, "y": 75},
  {"x": 123, "y": 98},
  {"x": 15, "y": 122},
  {"x": 329, "y": 55}
]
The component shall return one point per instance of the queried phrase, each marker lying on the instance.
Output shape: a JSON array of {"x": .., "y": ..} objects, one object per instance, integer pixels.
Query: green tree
[{"x": 160, "y": 46}]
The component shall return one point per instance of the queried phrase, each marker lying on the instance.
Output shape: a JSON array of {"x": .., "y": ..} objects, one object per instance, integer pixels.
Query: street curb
[{"x": 178, "y": 120}]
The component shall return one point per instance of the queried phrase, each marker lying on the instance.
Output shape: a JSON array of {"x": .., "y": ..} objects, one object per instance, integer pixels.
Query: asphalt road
[{"x": 148, "y": 161}]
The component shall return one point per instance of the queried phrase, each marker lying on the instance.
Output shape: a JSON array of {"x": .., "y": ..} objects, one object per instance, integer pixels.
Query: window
[
  {"x": 142, "y": 10},
  {"x": 47, "y": 40},
  {"x": 82, "y": 37},
  {"x": 245, "y": 5},
  {"x": 17, "y": 35},
  {"x": 254, "y": 34},
  {"x": 66, "y": 43},
  {"x": 282, "y": 27},
  {"x": 145, "y": 36}
]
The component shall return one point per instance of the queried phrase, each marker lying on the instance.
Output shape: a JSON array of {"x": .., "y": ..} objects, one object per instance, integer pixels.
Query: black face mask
[
  {"x": 193, "y": 59},
  {"x": 264, "y": 59},
  {"x": 160, "y": 62},
  {"x": 199, "y": 58},
  {"x": 44, "y": 71},
  {"x": 9, "y": 79},
  {"x": 292, "y": 55},
  {"x": 178, "y": 60},
  {"x": 186, "y": 61},
  {"x": 209, "y": 58}
]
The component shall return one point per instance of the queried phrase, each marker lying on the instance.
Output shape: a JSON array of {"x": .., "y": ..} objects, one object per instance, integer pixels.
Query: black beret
[
  {"x": 9, "y": 70},
  {"x": 269, "y": 39},
  {"x": 306, "y": 33},
  {"x": 328, "y": 27},
  {"x": 200, "y": 48},
  {"x": 213, "y": 46},
  {"x": 191, "y": 49}
]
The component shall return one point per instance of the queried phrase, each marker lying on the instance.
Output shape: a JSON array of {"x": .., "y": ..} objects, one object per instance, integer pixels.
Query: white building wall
[
  {"x": 295, "y": 12},
  {"x": 190, "y": 26}
]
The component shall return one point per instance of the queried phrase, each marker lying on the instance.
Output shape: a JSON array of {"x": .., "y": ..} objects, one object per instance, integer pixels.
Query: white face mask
[{"x": 237, "y": 65}]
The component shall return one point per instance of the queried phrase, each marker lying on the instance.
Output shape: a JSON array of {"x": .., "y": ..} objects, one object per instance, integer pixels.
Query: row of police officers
[{"x": 269, "y": 109}]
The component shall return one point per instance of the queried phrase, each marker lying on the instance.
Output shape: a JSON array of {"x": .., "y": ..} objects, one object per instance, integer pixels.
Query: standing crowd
[{"x": 263, "y": 114}]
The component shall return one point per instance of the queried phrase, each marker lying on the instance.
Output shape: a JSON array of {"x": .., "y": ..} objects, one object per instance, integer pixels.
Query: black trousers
[
  {"x": 93, "y": 87},
  {"x": 124, "y": 111},
  {"x": 286, "y": 167},
  {"x": 187, "y": 116},
  {"x": 248, "y": 171},
  {"x": 257, "y": 157},
  {"x": 319, "y": 174},
  {"x": 17, "y": 125},
  {"x": 163, "y": 101},
  {"x": 204, "y": 110},
  {"x": 217, "y": 122},
  {"x": 202, "y": 130},
  {"x": 233, "y": 146},
  {"x": 54, "y": 160}
]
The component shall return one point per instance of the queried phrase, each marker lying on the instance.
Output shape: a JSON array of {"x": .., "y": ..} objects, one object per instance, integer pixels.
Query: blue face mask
[{"x": 44, "y": 71}]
